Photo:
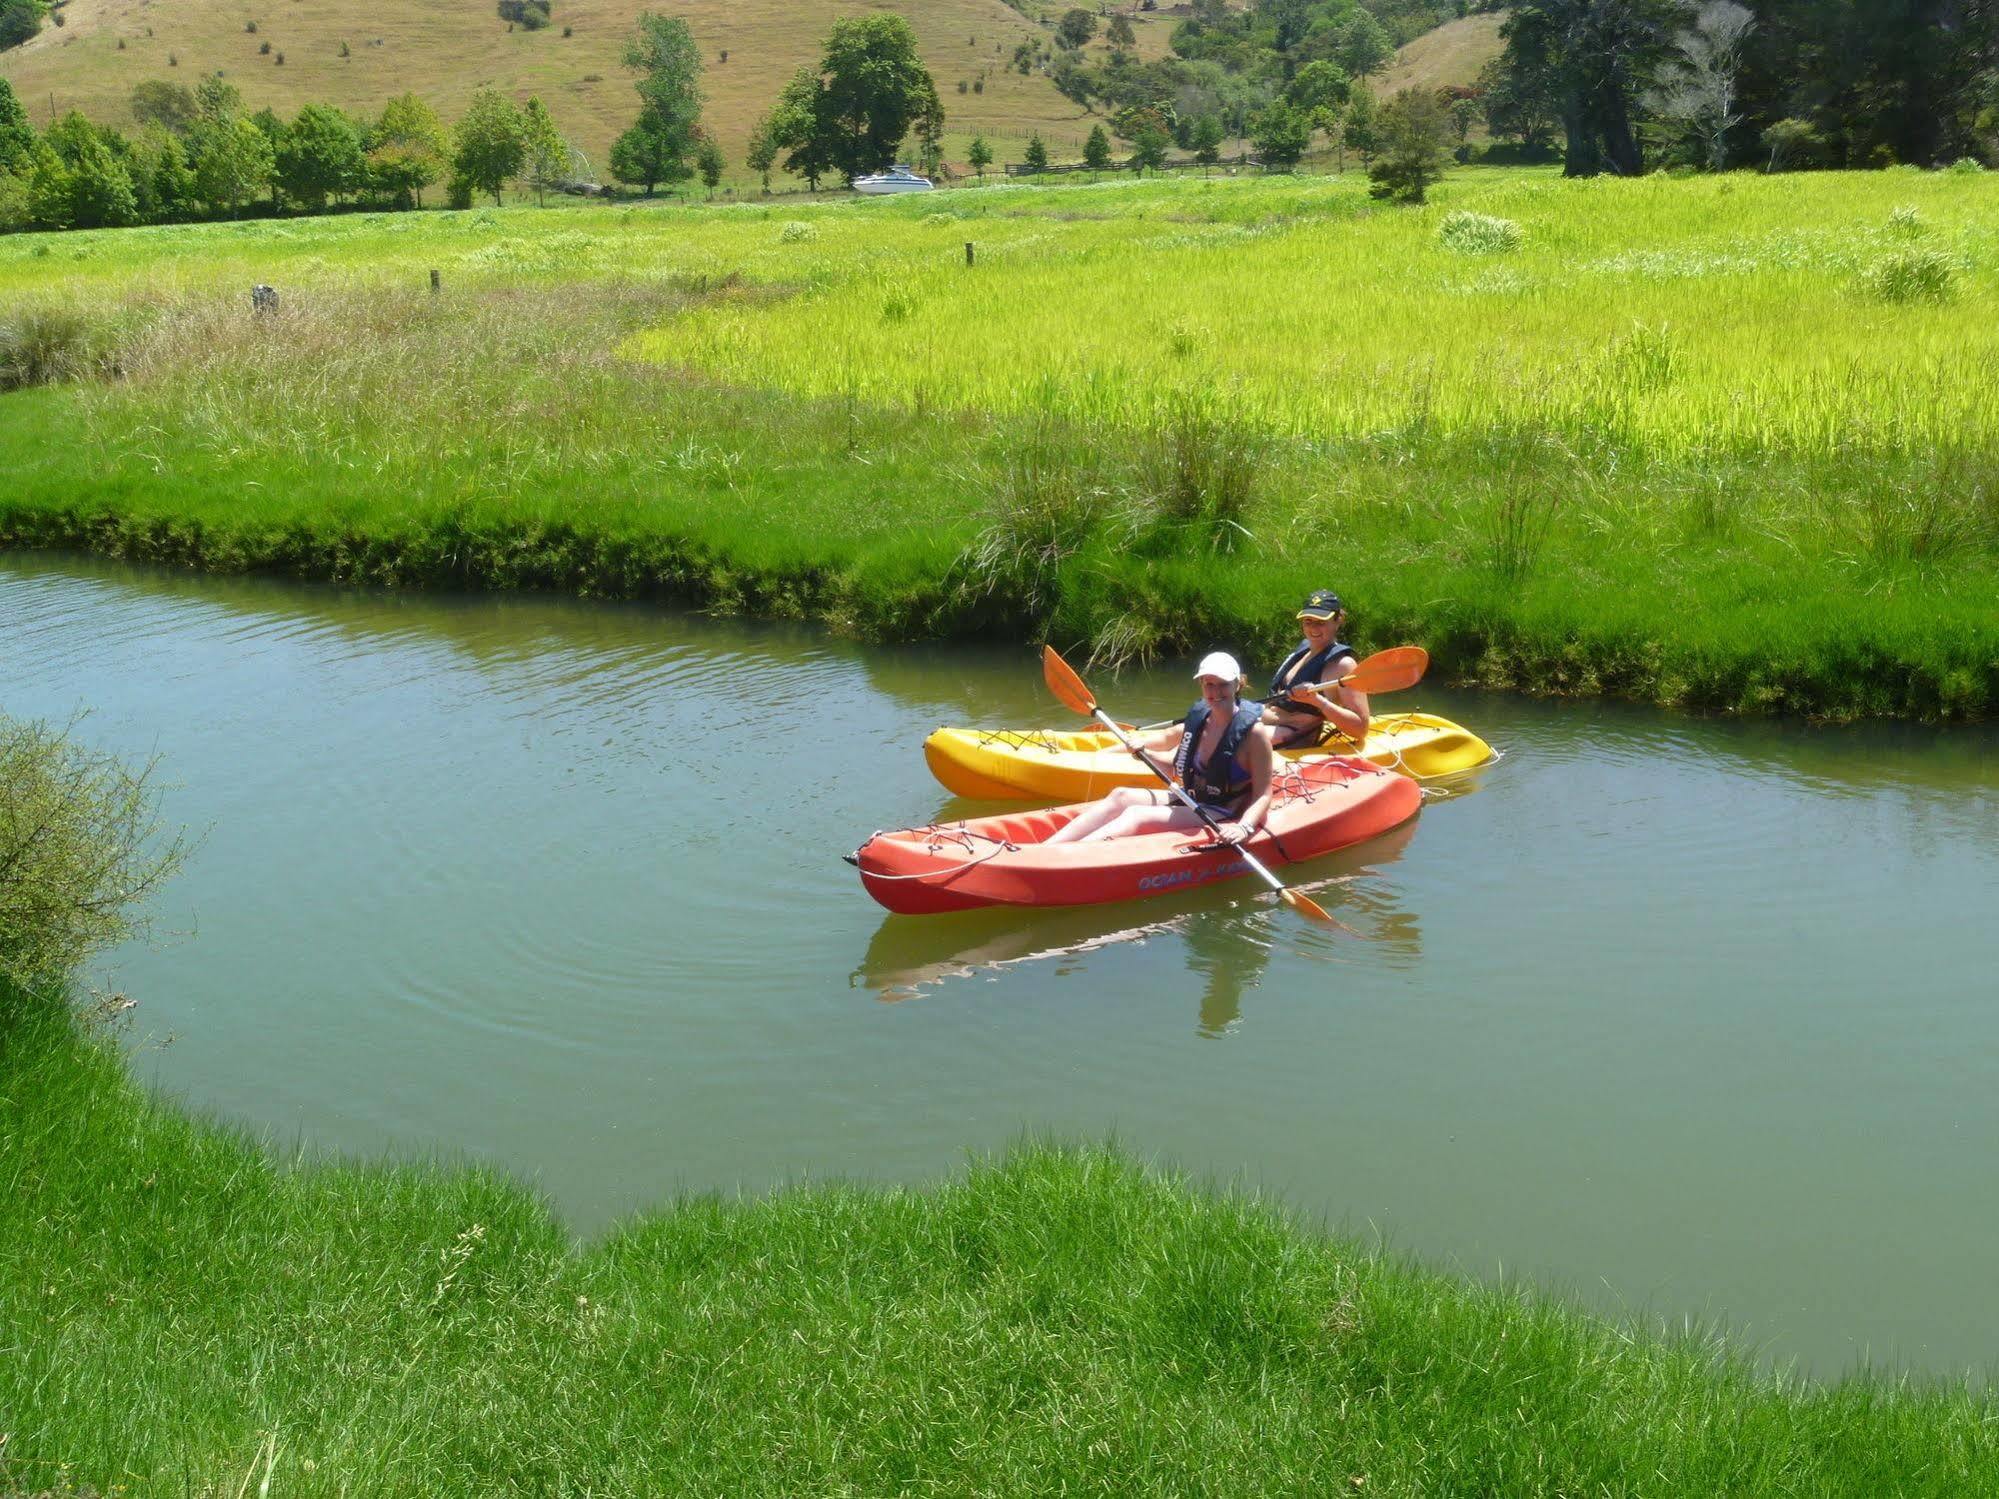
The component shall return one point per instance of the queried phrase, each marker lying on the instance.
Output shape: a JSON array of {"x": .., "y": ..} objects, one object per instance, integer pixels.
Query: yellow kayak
[{"x": 1061, "y": 766}]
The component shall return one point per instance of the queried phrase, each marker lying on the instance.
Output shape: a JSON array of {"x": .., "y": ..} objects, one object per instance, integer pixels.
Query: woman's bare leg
[{"x": 1086, "y": 822}]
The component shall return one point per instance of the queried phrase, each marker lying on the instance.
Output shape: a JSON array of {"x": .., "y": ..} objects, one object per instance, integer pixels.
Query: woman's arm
[
  {"x": 1257, "y": 759},
  {"x": 1344, "y": 710}
]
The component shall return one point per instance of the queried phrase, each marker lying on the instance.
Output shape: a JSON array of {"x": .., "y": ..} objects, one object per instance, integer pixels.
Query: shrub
[
  {"x": 79, "y": 849},
  {"x": 250, "y": 27},
  {"x": 794, "y": 232},
  {"x": 1470, "y": 233},
  {"x": 979, "y": 84},
  {"x": 1910, "y": 276},
  {"x": 279, "y": 60},
  {"x": 344, "y": 52},
  {"x": 1966, "y": 166},
  {"x": 264, "y": 49}
]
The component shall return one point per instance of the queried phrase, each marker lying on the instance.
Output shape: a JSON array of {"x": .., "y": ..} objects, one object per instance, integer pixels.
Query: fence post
[
  {"x": 968, "y": 252},
  {"x": 436, "y": 282}
]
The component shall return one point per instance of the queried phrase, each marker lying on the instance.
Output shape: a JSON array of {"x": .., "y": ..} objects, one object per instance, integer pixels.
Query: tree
[
  {"x": 980, "y": 156},
  {"x": 795, "y": 128},
  {"x": 1036, "y": 157},
  {"x": 762, "y": 153},
  {"x": 1119, "y": 33},
  {"x": 17, "y": 136},
  {"x": 1319, "y": 89},
  {"x": 171, "y": 106},
  {"x": 1361, "y": 45},
  {"x": 645, "y": 156},
  {"x": 406, "y": 150},
  {"x": 663, "y": 53},
  {"x": 874, "y": 89},
  {"x": 491, "y": 142},
  {"x": 1148, "y": 149},
  {"x": 1358, "y": 128},
  {"x": 216, "y": 101},
  {"x": 162, "y": 185},
  {"x": 1281, "y": 136},
  {"x": 547, "y": 153},
  {"x": 94, "y": 189},
  {"x": 1097, "y": 149},
  {"x": 1414, "y": 135},
  {"x": 19, "y": 20},
  {"x": 709, "y": 161},
  {"x": 1076, "y": 27},
  {"x": 1698, "y": 88},
  {"x": 232, "y": 162},
  {"x": 1206, "y": 139},
  {"x": 318, "y": 156},
  {"x": 1519, "y": 105},
  {"x": 1593, "y": 58},
  {"x": 930, "y": 134}
]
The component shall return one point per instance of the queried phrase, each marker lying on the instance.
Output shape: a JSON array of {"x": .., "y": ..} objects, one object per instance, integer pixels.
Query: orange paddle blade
[
  {"x": 1305, "y": 906},
  {"x": 1062, "y": 680},
  {"x": 1391, "y": 670}
]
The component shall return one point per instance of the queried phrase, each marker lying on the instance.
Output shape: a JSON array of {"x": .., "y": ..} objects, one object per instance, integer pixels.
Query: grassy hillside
[
  {"x": 446, "y": 49},
  {"x": 1453, "y": 53}
]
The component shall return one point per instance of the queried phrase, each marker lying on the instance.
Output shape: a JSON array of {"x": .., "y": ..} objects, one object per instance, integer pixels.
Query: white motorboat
[{"x": 897, "y": 179}]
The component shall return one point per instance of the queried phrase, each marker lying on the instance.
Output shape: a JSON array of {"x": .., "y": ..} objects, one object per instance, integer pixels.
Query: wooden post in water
[
  {"x": 436, "y": 282},
  {"x": 968, "y": 252}
]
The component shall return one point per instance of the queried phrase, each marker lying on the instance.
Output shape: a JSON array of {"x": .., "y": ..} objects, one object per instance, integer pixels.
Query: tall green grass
[
  {"x": 1670, "y": 445},
  {"x": 184, "y": 1313}
]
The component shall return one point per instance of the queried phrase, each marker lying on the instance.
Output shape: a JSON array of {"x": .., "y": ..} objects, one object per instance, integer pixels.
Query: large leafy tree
[
  {"x": 660, "y": 144},
  {"x": 870, "y": 89},
  {"x": 95, "y": 189},
  {"x": 491, "y": 143},
  {"x": 795, "y": 128},
  {"x": 1282, "y": 133},
  {"x": 232, "y": 161},
  {"x": 406, "y": 150},
  {"x": 318, "y": 156},
  {"x": 1412, "y": 134},
  {"x": 1592, "y": 59}
]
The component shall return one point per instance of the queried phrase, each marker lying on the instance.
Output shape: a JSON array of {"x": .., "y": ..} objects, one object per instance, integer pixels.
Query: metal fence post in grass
[
  {"x": 436, "y": 282},
  {"x": 968, "y": 252},
  {"x": 263, "y": 298}
]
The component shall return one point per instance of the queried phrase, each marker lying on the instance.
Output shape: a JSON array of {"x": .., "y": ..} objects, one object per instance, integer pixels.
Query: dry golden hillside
[
  {"x": 445, "y": 49},
  {"x": 1453, "y": 53}
]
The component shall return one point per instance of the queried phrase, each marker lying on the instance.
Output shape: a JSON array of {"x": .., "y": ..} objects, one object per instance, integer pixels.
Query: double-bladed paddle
[{"x": 1071, "y": 691}]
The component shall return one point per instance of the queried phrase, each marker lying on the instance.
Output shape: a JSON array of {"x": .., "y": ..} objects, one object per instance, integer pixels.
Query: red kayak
[{"x": 1317, "y": 806}]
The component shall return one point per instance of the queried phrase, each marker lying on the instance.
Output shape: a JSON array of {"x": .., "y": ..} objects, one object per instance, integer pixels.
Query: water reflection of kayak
[
  {"x": 907, "y": 958},
  {"x": 1057, "y": 765},
  {"x": 1316, "y": 806}
]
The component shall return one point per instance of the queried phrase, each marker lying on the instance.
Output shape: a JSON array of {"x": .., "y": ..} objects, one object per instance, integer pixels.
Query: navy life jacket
[
  {"x": 1223, "y": 781},
  {"x": 1317, "y": 668}
]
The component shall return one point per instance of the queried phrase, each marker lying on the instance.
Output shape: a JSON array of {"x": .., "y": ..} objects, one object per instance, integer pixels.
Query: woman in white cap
[
  {"x": 1221, "y": 755},
  {"x": 1303, "y": 718}
]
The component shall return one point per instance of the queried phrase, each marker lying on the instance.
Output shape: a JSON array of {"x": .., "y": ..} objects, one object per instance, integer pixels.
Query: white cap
[{"x": 1219, "y": 664}]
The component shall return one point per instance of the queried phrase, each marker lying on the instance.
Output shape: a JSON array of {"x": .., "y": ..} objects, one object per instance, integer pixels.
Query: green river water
[{"x": 1684, "y": 1018}]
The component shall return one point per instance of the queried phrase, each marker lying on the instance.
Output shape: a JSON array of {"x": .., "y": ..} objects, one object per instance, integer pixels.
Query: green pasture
[
  {"x": 184, "y": 1312},
  {"x": 1726, "y": 442}
]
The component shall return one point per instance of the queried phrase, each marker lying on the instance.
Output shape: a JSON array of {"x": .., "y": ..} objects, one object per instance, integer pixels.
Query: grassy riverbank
[
  {"x": 182, "y": 1312},
  {"x": 1688, "y": 441}
]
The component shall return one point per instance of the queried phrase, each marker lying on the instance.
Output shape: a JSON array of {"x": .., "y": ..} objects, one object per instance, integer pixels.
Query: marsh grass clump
[
  {"x": 1910, "y": 276},
  {"x": 1469, "y": 233},
  {"x": 797, "y": 232},
  {"x": 47, "y": 343},
  {"x": 1906, "y": 221},
  {"x": 1196, "y": 474},
  {"x": 1966, "y": 166},
  {"x": 80, "y": 849},
  {"x": 1046, "y": 500}
]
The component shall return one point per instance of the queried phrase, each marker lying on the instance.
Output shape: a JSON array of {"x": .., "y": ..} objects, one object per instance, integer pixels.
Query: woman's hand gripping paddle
[
  {"x": 1073, "y": 694},
  {"x": 1391, "y": 670}
]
